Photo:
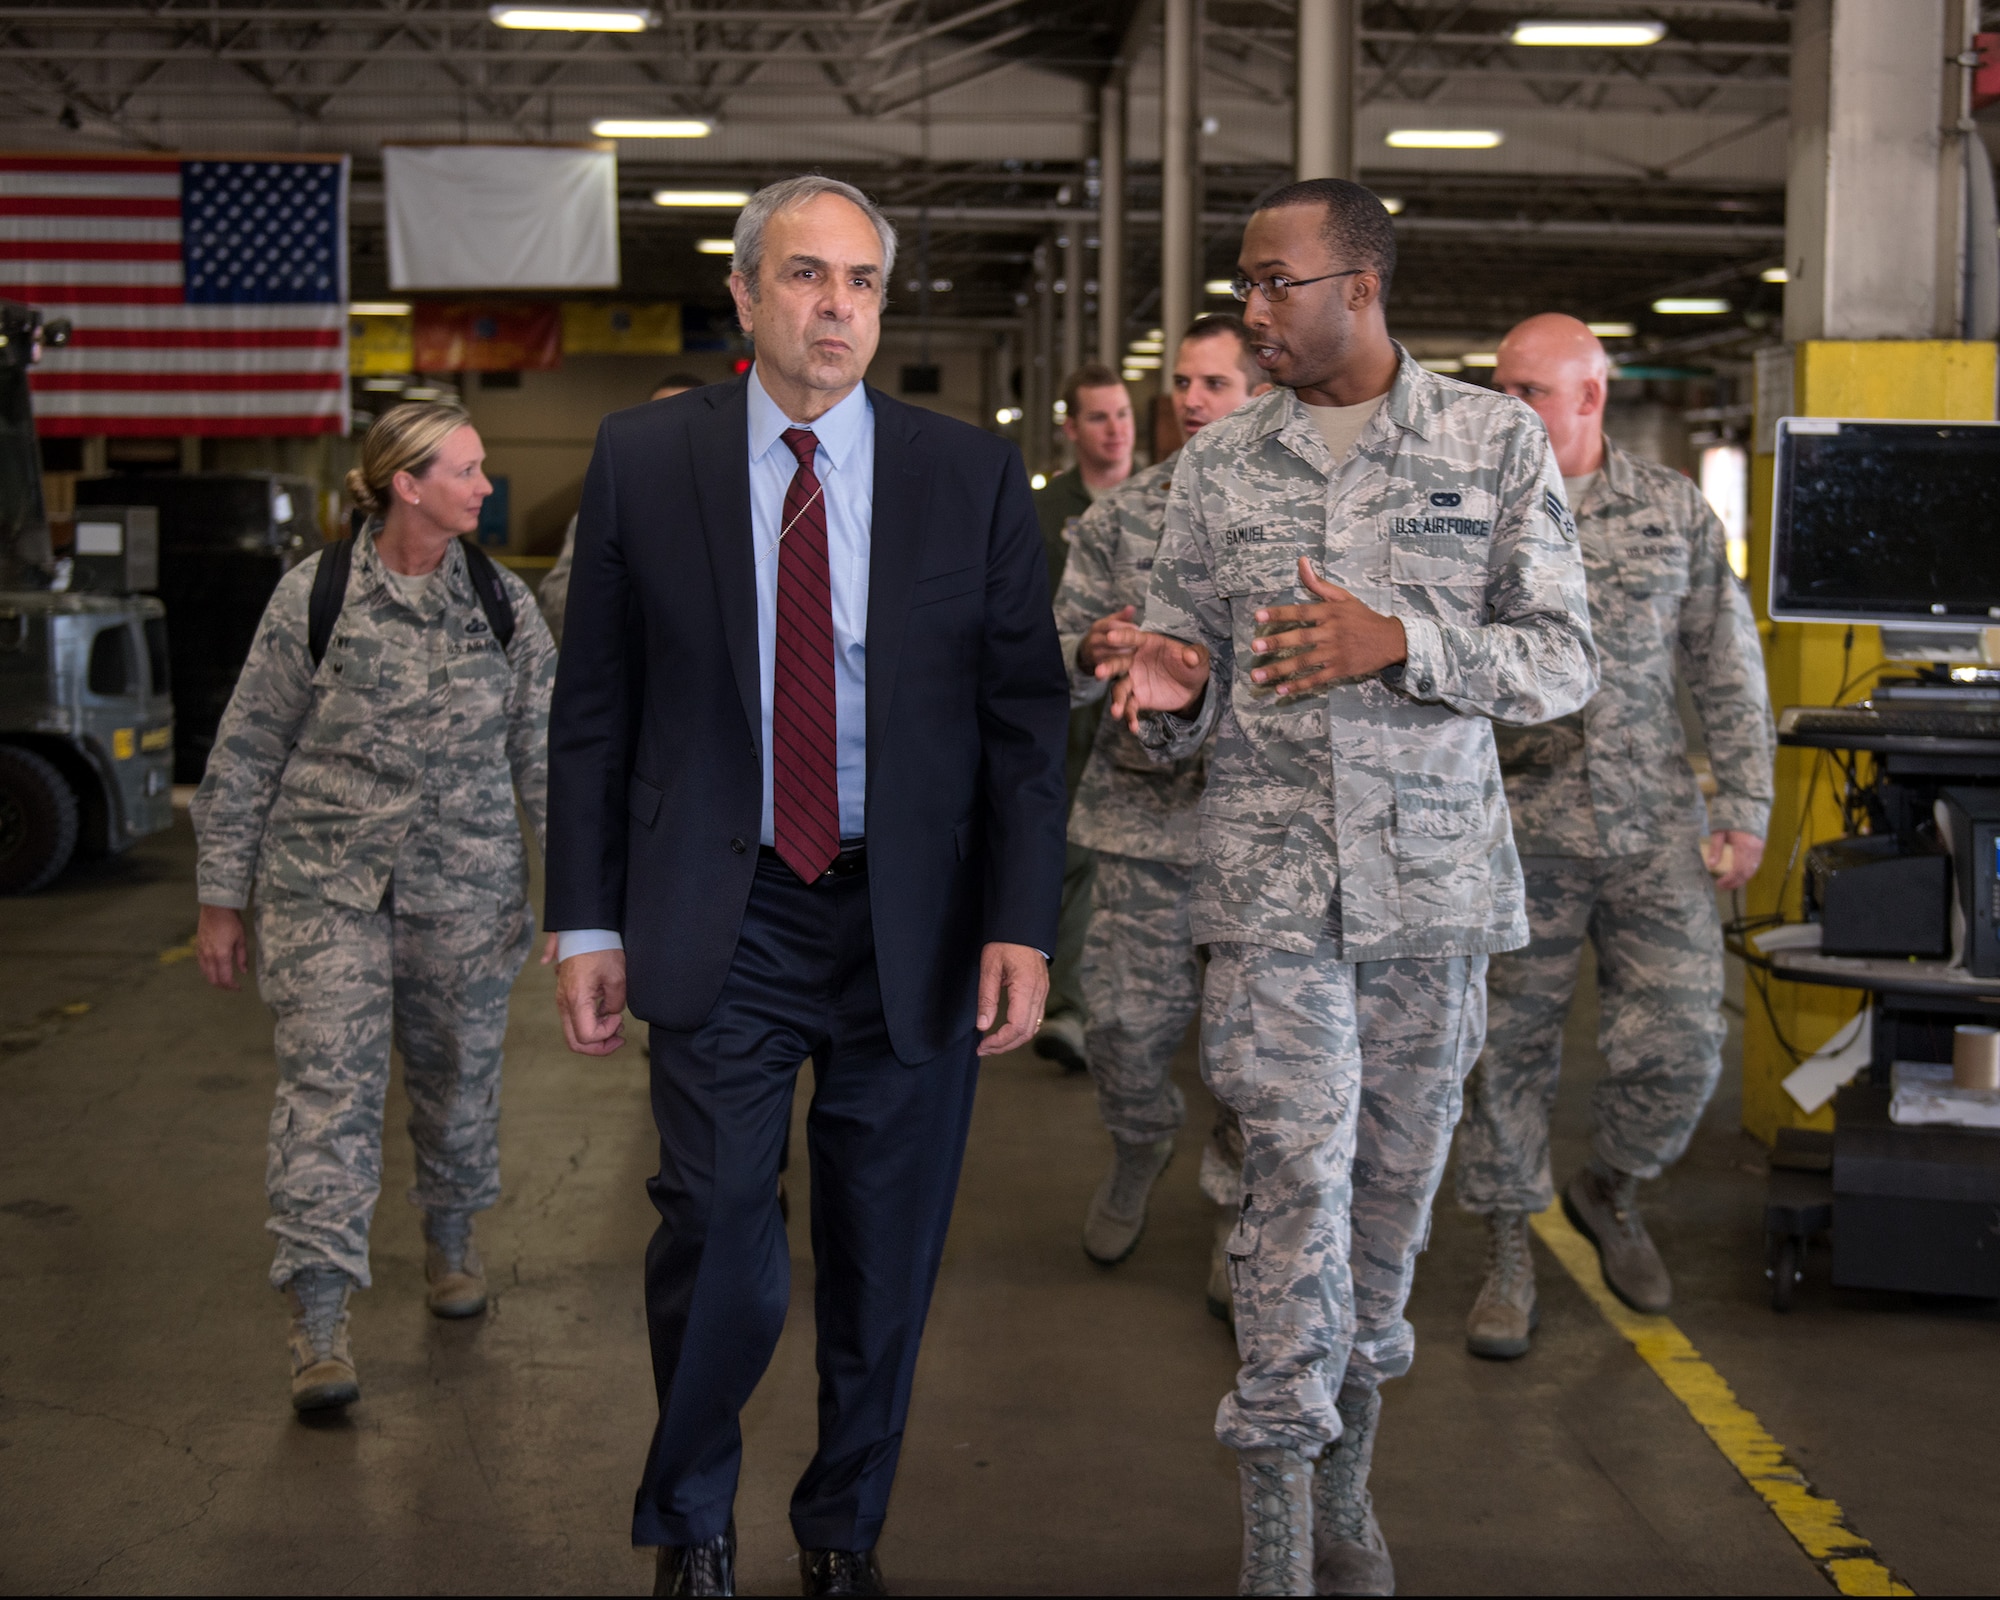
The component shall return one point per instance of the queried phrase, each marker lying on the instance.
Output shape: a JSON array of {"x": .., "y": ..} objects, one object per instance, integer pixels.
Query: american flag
[{"x": 209, "y": 296}]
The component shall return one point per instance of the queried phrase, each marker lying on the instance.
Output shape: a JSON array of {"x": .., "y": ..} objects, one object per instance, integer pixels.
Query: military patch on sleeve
[{"x": 1552, "y": 503}]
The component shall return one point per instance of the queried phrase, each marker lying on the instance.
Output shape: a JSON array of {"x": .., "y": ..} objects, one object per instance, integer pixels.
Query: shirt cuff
[
  {"x": 1423, "y": 661},
  {"x": 586, "y": 941}
]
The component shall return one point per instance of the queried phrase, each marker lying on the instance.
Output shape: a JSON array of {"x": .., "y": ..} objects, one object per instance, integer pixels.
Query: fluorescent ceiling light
[
  {"x": 1612, "y": 330},
  {"x": 1393, "y": 207},
  {"x": 1613, "y": 35},
  {"x": 701, "y": 199},
  {"x": 552, "y": 19},
  {"x": 1480, "y": 358},
  {"x": 1148, "y": 347},
  {"x": 715, "y": 247},
  {"x": 1131, "y": 374},
  {"x": 652, "y": 127},
  {"x": 424, "y": 391},
  {"x": 1219, "y": 287},
  {"x": 1143, "y": 363},
  {"x": 379, "y": 308},
  {"x": 1775, "y": 275},
  {"x": 1442, "y": 364},
  {"x": 1444, "y": 138},
  {"x": 384, "y": 385},
  {"x": 1698, "y": 306}
]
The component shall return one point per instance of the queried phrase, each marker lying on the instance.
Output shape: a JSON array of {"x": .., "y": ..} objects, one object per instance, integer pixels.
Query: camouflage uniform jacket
[
  {"x": 1128, "y": 803},
  {"x": 1371, "y": 811},
  {"x": 398, "y": 758},
  {"x": 1613, "y": 778}
]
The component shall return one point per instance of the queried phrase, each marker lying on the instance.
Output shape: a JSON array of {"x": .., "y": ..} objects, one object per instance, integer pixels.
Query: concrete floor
[{"x": 1060, "y": 1440}]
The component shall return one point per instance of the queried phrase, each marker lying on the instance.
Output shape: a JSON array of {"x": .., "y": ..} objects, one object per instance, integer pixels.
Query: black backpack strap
[
  {"x": 492, "y": 594},
  {"x": 329, "y": 594}
]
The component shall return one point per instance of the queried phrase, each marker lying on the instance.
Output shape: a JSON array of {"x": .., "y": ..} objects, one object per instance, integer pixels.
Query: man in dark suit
[{"x": 806, "y": 799}]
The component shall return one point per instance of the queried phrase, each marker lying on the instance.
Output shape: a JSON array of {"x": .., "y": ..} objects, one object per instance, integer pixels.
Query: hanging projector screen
[{"x": 502, "y": 216}]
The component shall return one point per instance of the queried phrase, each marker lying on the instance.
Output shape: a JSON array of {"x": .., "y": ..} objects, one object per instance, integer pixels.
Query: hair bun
[{"x": 363, "y": 496}]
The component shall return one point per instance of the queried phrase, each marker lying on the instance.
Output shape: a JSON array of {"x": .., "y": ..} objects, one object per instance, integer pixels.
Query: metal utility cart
[{"x": 1910, "y": 1208}]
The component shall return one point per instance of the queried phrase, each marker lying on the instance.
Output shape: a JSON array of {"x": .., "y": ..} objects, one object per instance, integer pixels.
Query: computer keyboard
[{"x": 1892, "y": 722}]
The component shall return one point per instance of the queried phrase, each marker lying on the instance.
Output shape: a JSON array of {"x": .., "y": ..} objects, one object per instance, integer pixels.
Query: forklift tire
[{"x": 38, "y": 821}]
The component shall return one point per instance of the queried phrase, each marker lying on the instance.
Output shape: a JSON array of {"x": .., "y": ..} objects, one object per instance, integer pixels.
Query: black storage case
[
  {"x": 223, "y": 548},
  {"x": 1913, "y": 1208},
  {"x": 1872, "y": 897}
]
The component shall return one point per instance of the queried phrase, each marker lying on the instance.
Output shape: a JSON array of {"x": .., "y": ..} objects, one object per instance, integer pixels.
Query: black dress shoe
[
  {"x": 705, "y": 1568},
  {"x": 840, "y": 1572}
]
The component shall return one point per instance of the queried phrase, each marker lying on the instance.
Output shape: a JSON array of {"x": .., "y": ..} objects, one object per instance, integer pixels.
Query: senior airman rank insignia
[{"x": 1552, "y": 503}]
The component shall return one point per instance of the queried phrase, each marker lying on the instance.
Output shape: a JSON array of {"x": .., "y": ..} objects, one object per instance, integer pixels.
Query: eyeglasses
[{"x": 1274, "y": 290}]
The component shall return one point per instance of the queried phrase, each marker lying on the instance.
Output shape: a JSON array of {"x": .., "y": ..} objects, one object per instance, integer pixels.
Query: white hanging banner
[{"x": 502, "y": 216}]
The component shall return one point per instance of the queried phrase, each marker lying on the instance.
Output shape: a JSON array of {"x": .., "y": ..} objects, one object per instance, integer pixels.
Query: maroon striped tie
[{"x": 805, "y": 801}]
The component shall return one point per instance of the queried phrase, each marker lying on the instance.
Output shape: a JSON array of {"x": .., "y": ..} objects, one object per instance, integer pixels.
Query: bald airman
[{"x": 1610, "y": 825}]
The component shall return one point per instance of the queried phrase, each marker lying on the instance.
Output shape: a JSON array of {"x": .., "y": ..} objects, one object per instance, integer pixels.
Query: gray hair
[{"x": 748, "y": 242}]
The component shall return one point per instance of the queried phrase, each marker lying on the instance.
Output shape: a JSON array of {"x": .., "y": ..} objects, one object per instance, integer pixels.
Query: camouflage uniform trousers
[
  {"x": 1653, "y": 920},
  {"x": 340, "y": 984},
  {"x": 1142, "y": 985},
  {"x": 1348, "y": 1079}
]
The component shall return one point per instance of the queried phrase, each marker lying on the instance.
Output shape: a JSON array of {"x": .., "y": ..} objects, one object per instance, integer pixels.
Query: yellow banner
[
  {"x": 592, "y": 328},
  {"x": 378, "y": 345}
]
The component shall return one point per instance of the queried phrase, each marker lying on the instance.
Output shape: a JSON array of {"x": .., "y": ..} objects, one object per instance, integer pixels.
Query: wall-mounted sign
[
  {"x": 380, "y": 345},
  {"x": 488, "y": 336},
  {"x": 590, "y": 328}
]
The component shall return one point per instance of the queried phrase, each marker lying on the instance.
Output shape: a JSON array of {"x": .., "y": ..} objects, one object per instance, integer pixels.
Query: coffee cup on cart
[{"x": 1975, "y": 1057}]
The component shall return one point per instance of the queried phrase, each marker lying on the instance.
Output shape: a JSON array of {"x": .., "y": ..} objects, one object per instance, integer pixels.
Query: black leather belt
[{"x": 850, "y": 863}]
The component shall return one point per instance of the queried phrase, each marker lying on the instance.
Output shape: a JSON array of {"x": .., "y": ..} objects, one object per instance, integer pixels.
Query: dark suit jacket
[{"x": 655, "y": 777}]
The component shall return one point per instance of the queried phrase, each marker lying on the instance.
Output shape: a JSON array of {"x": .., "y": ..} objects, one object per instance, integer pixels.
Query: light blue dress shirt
[{"x": 845, "y": 466}]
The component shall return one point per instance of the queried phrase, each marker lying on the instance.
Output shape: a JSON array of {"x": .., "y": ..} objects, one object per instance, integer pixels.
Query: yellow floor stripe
[
  {"x": 177, "y": 952},
  {"x": 1817, "y": 1523}
]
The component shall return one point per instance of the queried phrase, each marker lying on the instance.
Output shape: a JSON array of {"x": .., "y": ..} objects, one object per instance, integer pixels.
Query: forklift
[{"x": 86, "y": 720}]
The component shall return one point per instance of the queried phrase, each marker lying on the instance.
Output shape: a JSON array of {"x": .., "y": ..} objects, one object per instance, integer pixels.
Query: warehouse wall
[{"x": 539, "y": 434}]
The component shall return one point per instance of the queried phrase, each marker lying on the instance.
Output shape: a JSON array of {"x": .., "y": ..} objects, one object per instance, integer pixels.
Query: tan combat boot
[
  {"x": 451, "y": 1266},
  {"x": 1505, "y": 1314},
  {"x": 1605, "y": 1210},
  {"x": 1277, "y": 1486},
  {"x": 322, "y": 1365},
  {"x": 1117, "y": 1213},
  {"x": 1349, "y": 1553}
]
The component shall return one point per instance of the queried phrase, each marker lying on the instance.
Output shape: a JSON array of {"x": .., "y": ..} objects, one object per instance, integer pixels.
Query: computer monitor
[{"x": 1892, "y": 523}]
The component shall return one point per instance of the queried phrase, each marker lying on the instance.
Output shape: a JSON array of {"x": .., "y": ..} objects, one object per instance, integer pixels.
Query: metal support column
[
  {"x": 1072, "y": 310},
  {"x": 1111, "y": 224},
  {"x": 1861, "y": 200},
  {"x": 1038, "y": 426},
  {"x": 1177, "y": 133},
  {"x": 1323, "y": 96}
]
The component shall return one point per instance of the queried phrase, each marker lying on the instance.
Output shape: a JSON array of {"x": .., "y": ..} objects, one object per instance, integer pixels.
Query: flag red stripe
[
  {"x": 48, "y": 205},
  {"x": 205, "y": 338},
  {"x": 89, "y": 250},
  {"x": 95, "y": 294},
  {"x": 144, "y": 382},
  {"x": 148, "y": 164},
  {"x": 209, "y": 427}
]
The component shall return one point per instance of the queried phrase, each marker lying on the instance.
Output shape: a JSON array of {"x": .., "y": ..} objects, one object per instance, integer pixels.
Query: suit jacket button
[{"x": 738, "y": 846}]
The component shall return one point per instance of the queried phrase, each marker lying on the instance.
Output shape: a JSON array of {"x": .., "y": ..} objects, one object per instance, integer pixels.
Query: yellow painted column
[{"x": 1946, "y": 379}]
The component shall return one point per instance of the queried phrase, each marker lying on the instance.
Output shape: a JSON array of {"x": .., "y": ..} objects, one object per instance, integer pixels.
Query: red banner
[{"x": 488, "y": 336}]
